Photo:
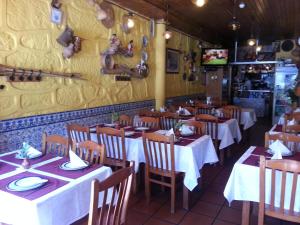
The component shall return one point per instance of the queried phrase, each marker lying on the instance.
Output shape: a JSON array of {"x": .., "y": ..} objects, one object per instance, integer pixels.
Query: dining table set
[
  {"x": 48, "y": 192},
  {"x": 49, "y": 187},
  {"x": 244, "y": 181}
]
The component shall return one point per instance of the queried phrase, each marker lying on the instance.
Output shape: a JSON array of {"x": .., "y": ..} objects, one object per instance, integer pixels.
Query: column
[{"x": 160, "y": 64}]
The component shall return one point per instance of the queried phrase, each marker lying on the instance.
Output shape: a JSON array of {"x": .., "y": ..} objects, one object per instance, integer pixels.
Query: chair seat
[
  {"x": 284, "y": 215},
  {"x": 165, "y": 173}
]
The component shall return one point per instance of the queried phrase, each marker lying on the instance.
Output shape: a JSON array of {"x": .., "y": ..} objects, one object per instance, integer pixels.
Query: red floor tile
[{"x": 193, "y": 218}]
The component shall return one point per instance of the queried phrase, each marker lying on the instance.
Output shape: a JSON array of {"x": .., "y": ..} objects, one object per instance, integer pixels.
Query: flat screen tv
[{"x": 214, "y": 57}]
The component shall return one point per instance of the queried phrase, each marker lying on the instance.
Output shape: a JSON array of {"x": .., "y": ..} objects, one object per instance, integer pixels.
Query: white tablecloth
[
  {"x": 227, "y": 132},
  {"x": 63, "y": 206},
  {"x": 248, "y": 117},
  {"x": 243, "y": 184},
  {"x": 188, "y": 159}
]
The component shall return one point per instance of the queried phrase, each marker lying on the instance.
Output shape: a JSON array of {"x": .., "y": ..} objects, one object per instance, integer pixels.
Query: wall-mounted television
[{"x": 214, "y": 57}]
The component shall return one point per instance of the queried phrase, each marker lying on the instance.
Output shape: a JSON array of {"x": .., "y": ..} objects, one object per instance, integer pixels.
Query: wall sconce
[
  {"x": 167, "y": 34},
  {"x": 251, "y": 41},
  {"x": 130, "y": 20},
  {"x": 199, "y": 3},
  {"x": 214, "y": 77}
]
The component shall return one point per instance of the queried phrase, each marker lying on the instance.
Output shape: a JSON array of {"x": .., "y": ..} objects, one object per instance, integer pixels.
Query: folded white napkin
[
  {"x": 291, "y": 122},
  {"x": 162, "y": 109},
  {"x": 191, "y": 102},
  {"x": 169, "y": 132},
  {"x": 32, "y": 152},
  {"x": 136, "y": 120},
  {"x": 186, "y": 112},
  {"x": 278, "y": 149},
  {"x": 152, "y": 110},
  {"x": 185, "y": 129},
  {"x": 297, "y": 110},
  {"x": 75, "y": 160}
]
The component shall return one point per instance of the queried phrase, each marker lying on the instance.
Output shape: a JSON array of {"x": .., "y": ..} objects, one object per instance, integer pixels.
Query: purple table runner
[
  {"x": 278, "y": 128},
  {"x": 261, "y": 151},
  {"x": 6, "y": 168},
  {"x": 50, "y": 186},
  {"x": 252, "y": 160},
  {"x": 11, "y": 158},
  {"x": 53, "y": 168}
]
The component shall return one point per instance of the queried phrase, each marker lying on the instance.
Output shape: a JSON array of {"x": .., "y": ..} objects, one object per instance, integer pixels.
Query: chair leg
[
  {"x": 221, "y": 157},
  {"x": 173, "y": 195},
  {"x": 260, "y": 216},
  {"x": 147, "y": 188}
]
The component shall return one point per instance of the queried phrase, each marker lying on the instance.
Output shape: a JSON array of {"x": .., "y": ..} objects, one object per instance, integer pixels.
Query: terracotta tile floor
[{"x": 209, "y": 205}]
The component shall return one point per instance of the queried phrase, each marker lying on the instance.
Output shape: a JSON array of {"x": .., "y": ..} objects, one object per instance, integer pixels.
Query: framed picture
[
  {"x": 172, "y": 60},
  {"x": 56, "y": 16}
]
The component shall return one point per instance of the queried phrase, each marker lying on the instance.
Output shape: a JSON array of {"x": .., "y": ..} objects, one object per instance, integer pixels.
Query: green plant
[
  {"x": 114, "y": 117},
  {"x": 178, "y": 125}
]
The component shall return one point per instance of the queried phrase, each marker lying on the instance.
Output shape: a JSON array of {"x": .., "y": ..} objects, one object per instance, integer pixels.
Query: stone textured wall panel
[
  {"x": 35, "y": 40},
  {"x": 37, "y": 101},
  {"x": 28, "y": 14},
  {"x": 28, "y": 40},
  {"x": 7, "y": 41},
  {"x": 69, "y": 96}
]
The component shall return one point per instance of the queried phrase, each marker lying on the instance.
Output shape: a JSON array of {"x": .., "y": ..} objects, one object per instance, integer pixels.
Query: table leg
[
  {"x": 246, "y": 213},
  {"x": 186, "y": 195}
]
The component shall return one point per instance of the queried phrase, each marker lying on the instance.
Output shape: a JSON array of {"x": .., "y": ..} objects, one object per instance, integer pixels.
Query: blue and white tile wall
[{"x": 15, "y": 131}]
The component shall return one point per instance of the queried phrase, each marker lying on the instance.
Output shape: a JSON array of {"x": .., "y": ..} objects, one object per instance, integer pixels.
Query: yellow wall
[
  {"x": 28, "y": 40},
  {"x": 175, "y": 85}
]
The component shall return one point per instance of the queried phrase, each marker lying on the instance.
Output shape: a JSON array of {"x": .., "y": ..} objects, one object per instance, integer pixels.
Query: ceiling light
[
  {"x": 234, "y": 24},
  {"x": 251, "y": 42},
  {"x": 258, "y": 48},
  {"x": 167, "y": 34},
  {"x": 242, "y": 5},
  {"x": 199, "y": 3},
  {"x": 130, "y": 21}
]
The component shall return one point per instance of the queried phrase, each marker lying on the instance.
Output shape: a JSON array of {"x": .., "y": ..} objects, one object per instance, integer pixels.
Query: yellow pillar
[{"x": 160, "y": 64}]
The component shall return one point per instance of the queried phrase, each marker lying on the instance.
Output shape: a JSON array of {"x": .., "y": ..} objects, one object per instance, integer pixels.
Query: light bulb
[
  {"x": 200, "y": 3},
  {"x": 258, "y": 48},
  {"x": 168, "y": 34},
  {"x": 251, "y": 42},
  {"x": 242, "y": 5},
  {"x": 130, "y": 23}
]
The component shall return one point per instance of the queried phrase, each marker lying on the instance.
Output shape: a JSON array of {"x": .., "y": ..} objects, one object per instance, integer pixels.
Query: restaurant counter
[{"x": 260, "y": 100}]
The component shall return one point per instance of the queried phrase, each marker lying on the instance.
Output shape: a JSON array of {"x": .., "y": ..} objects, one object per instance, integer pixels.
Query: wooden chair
[
  {"x": 151, "y": 122},
  {"x": 199, "y": 126},
  {"x": 212, "y": 127},
  {"x": 288, "y": 168},
  {"x": 160, "y": 160},
  {"x": 295, "y": 129},
  {"x": 125, "y": 120},
  {"x": 55, "y": 144},
  {"x": 204, "y": 109},
  {"x": 192, "y": 110},
  {"x": 114, "y": 142},
  {"x": 289, "y": 117},
  {"x": 235, "y": 112},
  {"x": 78, "y": 133},
  {"x": 290, "y": 140},
  {"x": 90, "y": 151},
  {"x": 168, "y": 120},
  {"x": 114, "y": 213}
]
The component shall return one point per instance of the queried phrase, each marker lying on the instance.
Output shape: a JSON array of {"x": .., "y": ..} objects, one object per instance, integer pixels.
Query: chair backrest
[
  {"x": 78, "y": 133},
  {"x": 295, "y": 129},
  {"x": 159, "y": 152},
  {"x": 90, "y": 151},
  {"x": 211, "y": 124},
  {"x": 290, "y": 140},
  {"x": 290, "y": 171},
  {"x": 235, "y": 112},
  {"x": 192, "y": 110},
  {"x": 118, "y": 186},
  {"x": 204, "y": 109},
  {"x": 168, "y": 120},
  {"x": 199, "y": 126},
  {"x": 151, "y": 122},
  {"x": 125, "y": 120},
  {"x": 114, "y": 142},
  {"x": 55, "y": 144},
  {"x": 149, "y": 113}
]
